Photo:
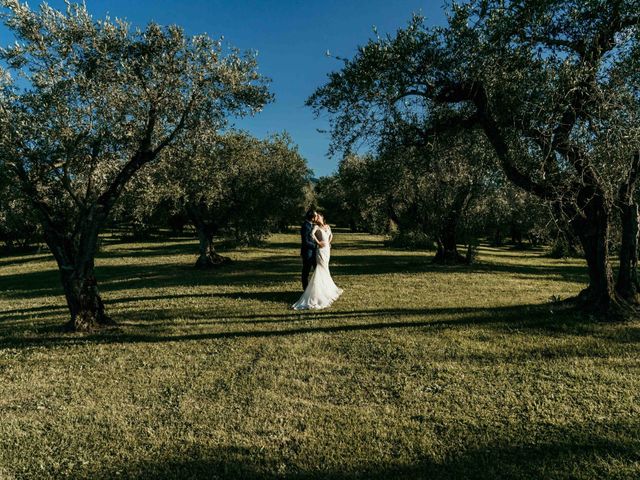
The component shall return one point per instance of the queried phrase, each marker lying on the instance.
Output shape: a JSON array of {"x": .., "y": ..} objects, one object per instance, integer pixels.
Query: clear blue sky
[{"x": 291, "y": 37}]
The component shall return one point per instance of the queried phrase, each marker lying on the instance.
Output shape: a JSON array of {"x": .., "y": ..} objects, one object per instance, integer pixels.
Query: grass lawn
[{"x": 418, "y": 371}]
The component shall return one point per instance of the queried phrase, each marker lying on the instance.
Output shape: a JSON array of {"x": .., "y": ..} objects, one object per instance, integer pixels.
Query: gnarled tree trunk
[
  {"x": 627, "y": 285},
  {"x": 591, "y": 225},
  {"x": 516, "y": 236},
  {"x": 207, "y": 255},
  {"x": 75, "y": 259},
  {"x": 447, "y": 237},
  {"x": 84, "y": 301},
  {"x": 589, "y": 217},
  {"x": 447, "y": 247}
]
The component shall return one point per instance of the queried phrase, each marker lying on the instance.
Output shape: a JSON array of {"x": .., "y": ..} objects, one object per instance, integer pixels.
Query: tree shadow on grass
[
  {"x": 152, "y": 250},
  {"x": 261, "y": 271},
  {"x": 629, "y": 335},
  {"x": 124, "y": 277},
  {"x": 251, "y": 274},
  {"x": 585, "y": 451},
  {"x": 284, "y": 245},
  {"x": 17, "y": 313},
  {"x": 560, "y": 455},
  {"x": 31, "y": 284},
  {"x": 283, "y": 298},
  {"x": 218, "y": 327},
  {"x": 385, "y": 264},
  {"x": 23, "y": 259}
]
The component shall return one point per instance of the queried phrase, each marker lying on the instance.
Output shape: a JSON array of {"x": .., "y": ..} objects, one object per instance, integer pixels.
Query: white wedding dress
[{"x": 321, "y": 291}]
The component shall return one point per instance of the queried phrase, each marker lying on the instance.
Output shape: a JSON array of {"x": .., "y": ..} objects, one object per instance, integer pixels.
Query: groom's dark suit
[{"x": 307, "y": 252}]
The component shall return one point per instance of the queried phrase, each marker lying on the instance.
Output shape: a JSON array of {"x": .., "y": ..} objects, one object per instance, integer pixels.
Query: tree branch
[
  {"x": 33, "y": 195},
  {"x": 66, "y": 183},
  {"x": 456, "y": 92},
  {"x": 576, "y": 46},
  {"x": 410, "y": 93},
  {"x": 178, "y": 128},
  {"x": 141, "y": 157},
  {"x": 625, "y": 194}
]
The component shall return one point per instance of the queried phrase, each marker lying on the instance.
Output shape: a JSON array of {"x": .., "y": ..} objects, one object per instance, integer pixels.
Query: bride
[{"x": 321, "y": 291}]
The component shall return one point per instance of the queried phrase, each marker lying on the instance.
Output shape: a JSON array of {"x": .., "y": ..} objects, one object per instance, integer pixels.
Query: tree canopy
[
  {"x": 550, "y": 84},
  {"x": 232, "y": 184},
  {"x": 95, "y": 102}
]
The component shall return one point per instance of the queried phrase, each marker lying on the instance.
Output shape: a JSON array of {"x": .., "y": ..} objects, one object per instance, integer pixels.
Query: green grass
[{"x": 418, "y": 371}]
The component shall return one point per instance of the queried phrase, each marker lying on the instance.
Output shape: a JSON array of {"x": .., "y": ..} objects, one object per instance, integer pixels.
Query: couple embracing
[{"x": 320, "y": 291}]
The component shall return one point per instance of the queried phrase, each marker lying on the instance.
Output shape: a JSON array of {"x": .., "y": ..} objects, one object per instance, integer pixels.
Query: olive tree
[
  {"x": 360, "y": 178},
  {"x": 271, "y": 189},
  {"x": 550, "y": 86},
  {"x": 233, "y": 185},
  {"x": 507, "y": 214},
  {"x": 331, "y": 196},
  {"x": 418, "y": 192},
  {"x": 441, "y": 183},
  {"x": 96, "y": 102}
]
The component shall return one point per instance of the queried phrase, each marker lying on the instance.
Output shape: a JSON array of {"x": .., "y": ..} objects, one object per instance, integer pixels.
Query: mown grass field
[{"x": 418, "y": 371}]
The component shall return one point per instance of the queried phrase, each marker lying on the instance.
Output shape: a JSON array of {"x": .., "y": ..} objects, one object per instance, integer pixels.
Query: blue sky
[{"x": 291, "y": 37}]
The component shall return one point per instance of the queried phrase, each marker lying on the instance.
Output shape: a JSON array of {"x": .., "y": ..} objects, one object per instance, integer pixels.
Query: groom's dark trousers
[{"x": 307, "y": 252}]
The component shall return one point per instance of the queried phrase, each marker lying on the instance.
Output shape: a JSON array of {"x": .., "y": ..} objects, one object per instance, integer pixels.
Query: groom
[{"x": 309, "y": 247}]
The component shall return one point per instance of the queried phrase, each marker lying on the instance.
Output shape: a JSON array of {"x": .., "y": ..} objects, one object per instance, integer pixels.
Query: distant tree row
[
  {"x": 228, "y": 185},
  {"x": 431, "y": 204}
]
